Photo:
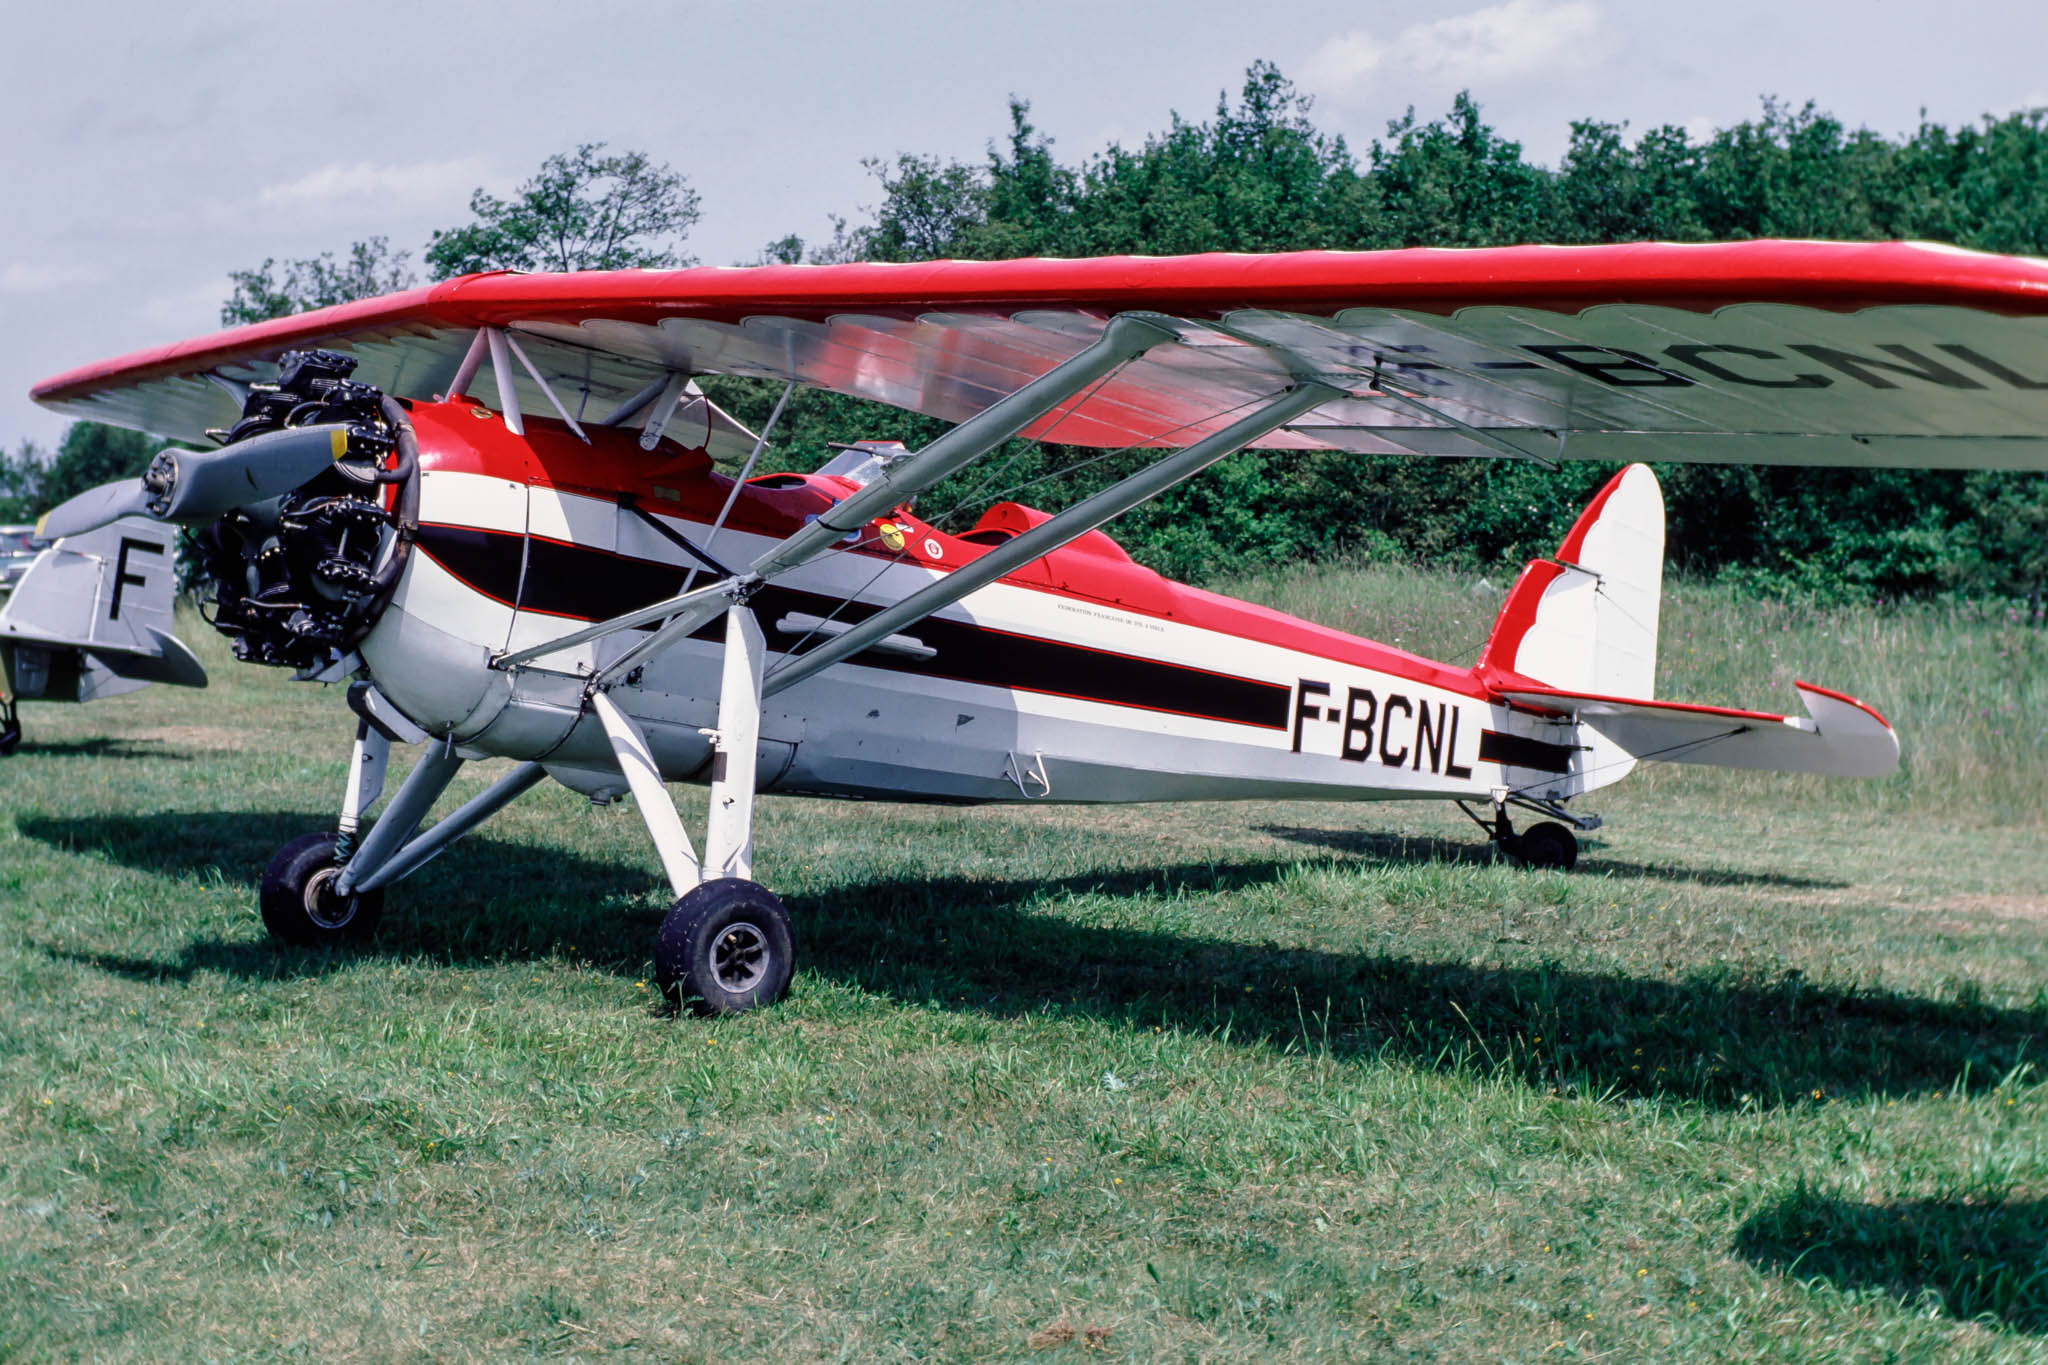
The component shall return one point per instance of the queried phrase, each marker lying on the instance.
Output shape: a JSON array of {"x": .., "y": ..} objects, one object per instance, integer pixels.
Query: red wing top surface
[{"x": 1767, "y": 352}]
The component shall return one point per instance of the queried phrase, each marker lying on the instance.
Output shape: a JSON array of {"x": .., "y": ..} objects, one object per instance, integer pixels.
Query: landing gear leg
[
  {"x": 1546, "y": 844},
  {"x": 301, "y": 900},
  {"x": 10, "y": 728},
  {"x": 326, "y": 888},
  {"x": 727, "y": 943}
]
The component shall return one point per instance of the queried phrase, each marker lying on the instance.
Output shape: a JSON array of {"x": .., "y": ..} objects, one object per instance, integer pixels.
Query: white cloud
[
  {"x": 424, "y": 184},
  {"x": 18, "y": 278},
  {"x": 1700, "y": 128},
  {"x": 1503, "y": 42}
]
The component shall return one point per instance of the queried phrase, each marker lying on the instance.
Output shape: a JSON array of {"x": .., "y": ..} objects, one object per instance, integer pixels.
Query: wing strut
[
  {"x": 658, "y": 416},
  {"x": 503, "y": 348},
  {"x": 545, "y": 387},
  {"x": 626, "y": 411},
  {"x": 641, "y": 616},
  {"x": 1049, "y": 535},
  {"x": 1127, "y": 335},
  {"x": 746, "y": 472},
  {"x": 508, "y": 387}
]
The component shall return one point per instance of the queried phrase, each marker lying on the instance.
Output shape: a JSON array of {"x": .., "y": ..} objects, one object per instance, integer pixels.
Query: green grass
[{"x": 1759, "y": 1081}]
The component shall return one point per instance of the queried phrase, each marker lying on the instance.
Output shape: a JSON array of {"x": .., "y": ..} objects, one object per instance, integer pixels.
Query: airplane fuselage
[{"x": 1082, "y": 677}]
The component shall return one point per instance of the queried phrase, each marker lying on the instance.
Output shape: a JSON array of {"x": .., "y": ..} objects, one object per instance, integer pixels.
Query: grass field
[{"x": 1761, "y": 1080}]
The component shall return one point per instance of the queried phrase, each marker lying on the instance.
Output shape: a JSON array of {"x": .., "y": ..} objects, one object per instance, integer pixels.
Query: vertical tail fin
[
  {"x": 1586, "y": 620},
  {"x": 1576, "y": 644},
  {"x": 92, "y": 617}
]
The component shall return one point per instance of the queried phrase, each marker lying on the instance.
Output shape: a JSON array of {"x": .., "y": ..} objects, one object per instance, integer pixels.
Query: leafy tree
[
  {"x": 928, "y": 210},
  {"x": 92, "y": 454},
  {"x": 274, "y": 290},
  {"x": 782, "y": 251},
  {"x": 1258, "y": 175},
  {"x": 2010, "y": 537},
  {"x": 583, "y": 211},
  {"x": 21, "y": 480},
  {"x": 1608, "y": 191},
  {"x": 1456, "y": 182}
]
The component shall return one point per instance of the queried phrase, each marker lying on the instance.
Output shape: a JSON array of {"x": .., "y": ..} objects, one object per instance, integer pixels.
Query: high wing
[{"x": 1757, "y": 352}]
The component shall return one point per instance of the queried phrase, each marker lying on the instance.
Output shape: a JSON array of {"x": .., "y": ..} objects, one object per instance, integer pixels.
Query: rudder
[{"x": 1585, "y": 620}]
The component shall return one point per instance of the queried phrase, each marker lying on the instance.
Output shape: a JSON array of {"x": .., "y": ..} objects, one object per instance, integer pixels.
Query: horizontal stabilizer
[
  {"x": 174, "y": 663},
  {"x": 1838, "y": 737}
]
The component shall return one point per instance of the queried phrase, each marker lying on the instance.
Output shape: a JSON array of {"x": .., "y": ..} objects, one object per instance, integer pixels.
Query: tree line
[{"x": 1259, "y": 174}]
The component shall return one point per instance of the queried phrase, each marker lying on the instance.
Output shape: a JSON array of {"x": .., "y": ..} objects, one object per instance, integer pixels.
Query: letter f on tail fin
[{"x": 92, "y": 617}]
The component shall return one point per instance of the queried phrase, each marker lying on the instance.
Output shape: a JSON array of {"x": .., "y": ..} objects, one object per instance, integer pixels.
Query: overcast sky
[{"x": 149, "y": 150}]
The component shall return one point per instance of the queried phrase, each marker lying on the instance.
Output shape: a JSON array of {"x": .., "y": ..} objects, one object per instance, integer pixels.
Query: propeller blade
[
  {"x": 205, "y": 484},
  {"x": 94, "y": 508},
  {"x": 196, "y": 486}
]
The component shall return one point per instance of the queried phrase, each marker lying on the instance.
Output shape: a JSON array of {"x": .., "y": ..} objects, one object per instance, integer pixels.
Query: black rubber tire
[
  {"x": 297, "y": 908},
  {"x": 10, "y": 738},
  {"x": 1548, "y": 844},
  {"x": 726, "y": 946}
]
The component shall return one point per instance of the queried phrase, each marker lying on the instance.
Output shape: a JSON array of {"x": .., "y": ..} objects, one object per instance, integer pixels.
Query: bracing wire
[
  {"x": 1651, "y": 756},
  {"x": 1117, "y": 453},
  {"x": 1072, "y": 406},
  {"x": 794, "y": 652}
]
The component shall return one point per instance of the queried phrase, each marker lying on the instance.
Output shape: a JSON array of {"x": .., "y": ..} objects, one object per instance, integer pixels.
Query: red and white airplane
[{"x": 491, "y": 506}]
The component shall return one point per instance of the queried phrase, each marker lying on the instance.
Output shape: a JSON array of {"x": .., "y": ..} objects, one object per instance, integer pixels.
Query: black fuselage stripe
[
  {"x": 1520, "y": 751},
  {"x": 588, "y": 584}
]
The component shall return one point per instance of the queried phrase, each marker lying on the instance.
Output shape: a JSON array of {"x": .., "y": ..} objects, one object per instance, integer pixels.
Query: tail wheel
[
  {"x": 726, "y": 946},
  {"x": 300, "y": 904},
  {"x": 1546, "y": 845}
]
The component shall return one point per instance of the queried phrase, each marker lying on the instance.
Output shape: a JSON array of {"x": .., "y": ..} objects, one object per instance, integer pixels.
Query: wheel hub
[
  {"x": 323, "y": 906},
  {"x": 739, "y": 958}
]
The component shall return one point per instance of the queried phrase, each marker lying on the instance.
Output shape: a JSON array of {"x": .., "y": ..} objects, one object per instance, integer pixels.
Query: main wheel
[
  {"x": 299, "y": 902},
  {"x": 727, "y": 945},
  {"x": 1546, "y": 845}
]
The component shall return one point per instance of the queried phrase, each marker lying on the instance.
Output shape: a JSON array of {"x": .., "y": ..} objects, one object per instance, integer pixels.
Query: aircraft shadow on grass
[
  {"x": 1980, "y": 1257},
  {"x": 104, "y": 746},
  {"x": 1720, "y": 1038},
  {"x": 1593, "y": 859}
]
